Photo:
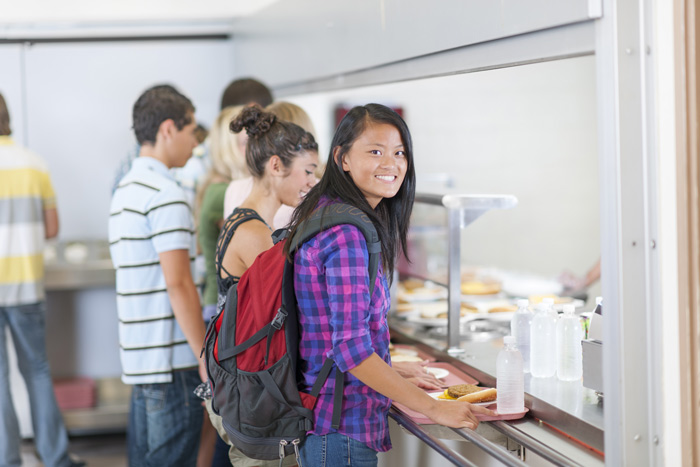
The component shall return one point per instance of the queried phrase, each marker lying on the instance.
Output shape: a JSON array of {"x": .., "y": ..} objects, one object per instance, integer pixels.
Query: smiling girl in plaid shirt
[{"x": 370, "y": 166}]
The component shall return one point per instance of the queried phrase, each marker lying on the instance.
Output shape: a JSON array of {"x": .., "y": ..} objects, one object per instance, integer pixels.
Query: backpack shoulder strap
[
  {"x": 322, "y": 219},
  {"x": 338, "y": 214},
  {"x": 237, "y": 217}
]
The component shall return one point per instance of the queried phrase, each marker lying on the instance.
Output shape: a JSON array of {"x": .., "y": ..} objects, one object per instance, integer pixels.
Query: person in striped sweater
[
  {"x": 151, "y": 234},
  {"x": 28, "y": 216}
]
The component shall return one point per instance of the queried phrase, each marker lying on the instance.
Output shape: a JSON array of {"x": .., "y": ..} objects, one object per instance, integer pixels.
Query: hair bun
[{"x": 255, "y": 121}]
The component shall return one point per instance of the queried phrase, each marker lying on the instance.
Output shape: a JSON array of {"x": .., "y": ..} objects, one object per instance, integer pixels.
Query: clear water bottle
[
  {"x": 520, "y": 329},
  {"x": 569, "y": 354},
  {"x": 543, "y": 340},
  {"x": 509, "y": 378}
]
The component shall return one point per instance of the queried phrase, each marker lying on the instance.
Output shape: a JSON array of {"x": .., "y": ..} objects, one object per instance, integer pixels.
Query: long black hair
[{"x": 391, "y": 216}]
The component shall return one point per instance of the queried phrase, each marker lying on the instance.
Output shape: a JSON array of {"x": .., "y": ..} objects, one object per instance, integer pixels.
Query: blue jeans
[
  {"x": 334, "y": 449},
  {"x": 165, "y": 421},
  {"x": 27, "y": 324}
]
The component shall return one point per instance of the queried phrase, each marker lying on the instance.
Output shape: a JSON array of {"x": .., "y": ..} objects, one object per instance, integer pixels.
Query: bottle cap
[
  {"x": 548, "y": 301},
  {"x": 598, "y": 300},
  {"x": 569, "y": 309},
  {"x": 523, "y": 302},
  {"x": 509, "y": 340}
]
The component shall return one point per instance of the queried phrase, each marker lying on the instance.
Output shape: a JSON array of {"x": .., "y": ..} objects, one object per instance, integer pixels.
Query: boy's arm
[
  {"x": 50, "y": 222},
  {"x": 184, "y": 300}
]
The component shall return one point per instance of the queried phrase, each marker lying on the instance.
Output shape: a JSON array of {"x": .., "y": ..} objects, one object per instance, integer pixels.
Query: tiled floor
[{"x": 96, "y": 451}]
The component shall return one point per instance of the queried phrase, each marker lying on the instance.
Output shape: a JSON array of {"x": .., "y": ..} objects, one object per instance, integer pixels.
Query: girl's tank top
[{"x": 238, "y": 216}]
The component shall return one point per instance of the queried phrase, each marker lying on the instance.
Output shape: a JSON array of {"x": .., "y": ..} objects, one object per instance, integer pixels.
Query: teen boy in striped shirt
[{"x": 151, "y": 234}]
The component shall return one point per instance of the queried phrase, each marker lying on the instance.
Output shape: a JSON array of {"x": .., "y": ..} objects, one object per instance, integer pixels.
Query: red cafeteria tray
[
  {"x": 423, "y": 420},
  {"x": 456, "y": 377}
]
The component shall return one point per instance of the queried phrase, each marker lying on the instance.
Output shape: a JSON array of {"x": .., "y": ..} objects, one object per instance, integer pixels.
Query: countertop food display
[{"x": 425, "y": 303}]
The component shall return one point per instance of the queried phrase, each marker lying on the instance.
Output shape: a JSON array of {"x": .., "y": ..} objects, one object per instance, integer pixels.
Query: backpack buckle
[
  {"x": 279, "y": 235},
  {"x": 278, "y": 321}
]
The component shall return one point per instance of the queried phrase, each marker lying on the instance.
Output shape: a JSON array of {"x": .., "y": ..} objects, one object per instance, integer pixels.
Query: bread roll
[
  {"x": 405, "y": 358},
  {"x": 480, "y": 288},
  {"x": 536, "y": 299},
  {"x": 439, "y": 310},
  {"x": 427, "y": 291},
  {"x": 402, "y": 308},
  {"x": 503, "y": 309},
  {"x": 487, "y": 395},
  {"x": 411, "y": 284}
]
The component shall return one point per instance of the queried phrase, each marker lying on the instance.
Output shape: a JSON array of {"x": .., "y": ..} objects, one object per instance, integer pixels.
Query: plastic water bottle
[
  {"x": 509, "y": 378},
  {"x": 543, "y": 340},
  {"x": 520, "y": 329},
  {"x": 569, "y": 353}
]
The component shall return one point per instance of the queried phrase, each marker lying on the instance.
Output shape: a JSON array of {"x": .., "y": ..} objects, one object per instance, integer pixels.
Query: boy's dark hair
[
  {"x": 391, "y": 216},
  {"x": 156, "y": 105},
  {"x": 270, "y": 136},
  {"x": 4, "y": 118},
  {"x": 246, "y": 91}
]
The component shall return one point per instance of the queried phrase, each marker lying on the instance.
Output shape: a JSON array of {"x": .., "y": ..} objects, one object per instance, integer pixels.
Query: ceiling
[{"x": 51, "y": 18}]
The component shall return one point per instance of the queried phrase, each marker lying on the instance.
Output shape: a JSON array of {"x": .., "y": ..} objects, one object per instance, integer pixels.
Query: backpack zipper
[
  {"x": 283, "y": 443},
  {"x": 295, "y": 443}
]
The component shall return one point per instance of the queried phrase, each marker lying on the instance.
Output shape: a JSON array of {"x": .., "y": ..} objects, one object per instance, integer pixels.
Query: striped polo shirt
[
  {"x": 25, "y": 192},
  {"x": 149, "y": 215}
]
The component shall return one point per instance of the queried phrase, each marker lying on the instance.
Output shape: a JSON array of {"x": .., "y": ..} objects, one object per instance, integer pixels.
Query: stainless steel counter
[
  {"x": 78, "y": 264},
  {"x": 565, "y": 421}
]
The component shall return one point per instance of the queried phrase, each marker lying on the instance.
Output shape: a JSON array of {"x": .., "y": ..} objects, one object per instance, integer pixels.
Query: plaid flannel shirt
[{"x": 339, "y": 320}]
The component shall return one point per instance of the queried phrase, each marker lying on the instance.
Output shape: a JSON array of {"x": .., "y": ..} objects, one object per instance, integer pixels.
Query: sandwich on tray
[{"x": 469, "y": 393}]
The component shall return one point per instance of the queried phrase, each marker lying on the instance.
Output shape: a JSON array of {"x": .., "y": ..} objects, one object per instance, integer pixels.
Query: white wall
[
  {"x": 77, "y": 115},
  {"x": 78, "y": 110},
  {"x": 528, "y": 131}
]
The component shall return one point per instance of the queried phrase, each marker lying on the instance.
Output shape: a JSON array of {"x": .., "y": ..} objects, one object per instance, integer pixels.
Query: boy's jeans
[
  {"x": 27, "y": 324},
  {"x": 165, "y": 421}
]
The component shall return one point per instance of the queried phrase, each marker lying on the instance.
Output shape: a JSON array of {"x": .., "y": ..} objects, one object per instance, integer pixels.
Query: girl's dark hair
[
  {"x": 391, "y": 216},
  {"x": 268, "y": 136}
]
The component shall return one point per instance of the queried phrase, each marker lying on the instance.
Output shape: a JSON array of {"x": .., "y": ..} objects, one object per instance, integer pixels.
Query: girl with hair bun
[
  {"x": 282, "y": 158},
  {"x": 370, "y": 167},
  {"x": 238, "y": 190}
]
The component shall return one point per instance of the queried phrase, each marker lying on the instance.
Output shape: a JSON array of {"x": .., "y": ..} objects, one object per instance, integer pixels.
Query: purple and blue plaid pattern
[{"x": 338, "y": 320}]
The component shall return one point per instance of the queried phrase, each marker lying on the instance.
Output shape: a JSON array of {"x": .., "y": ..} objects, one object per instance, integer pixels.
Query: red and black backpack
[{"x": 252, "y": 346}]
